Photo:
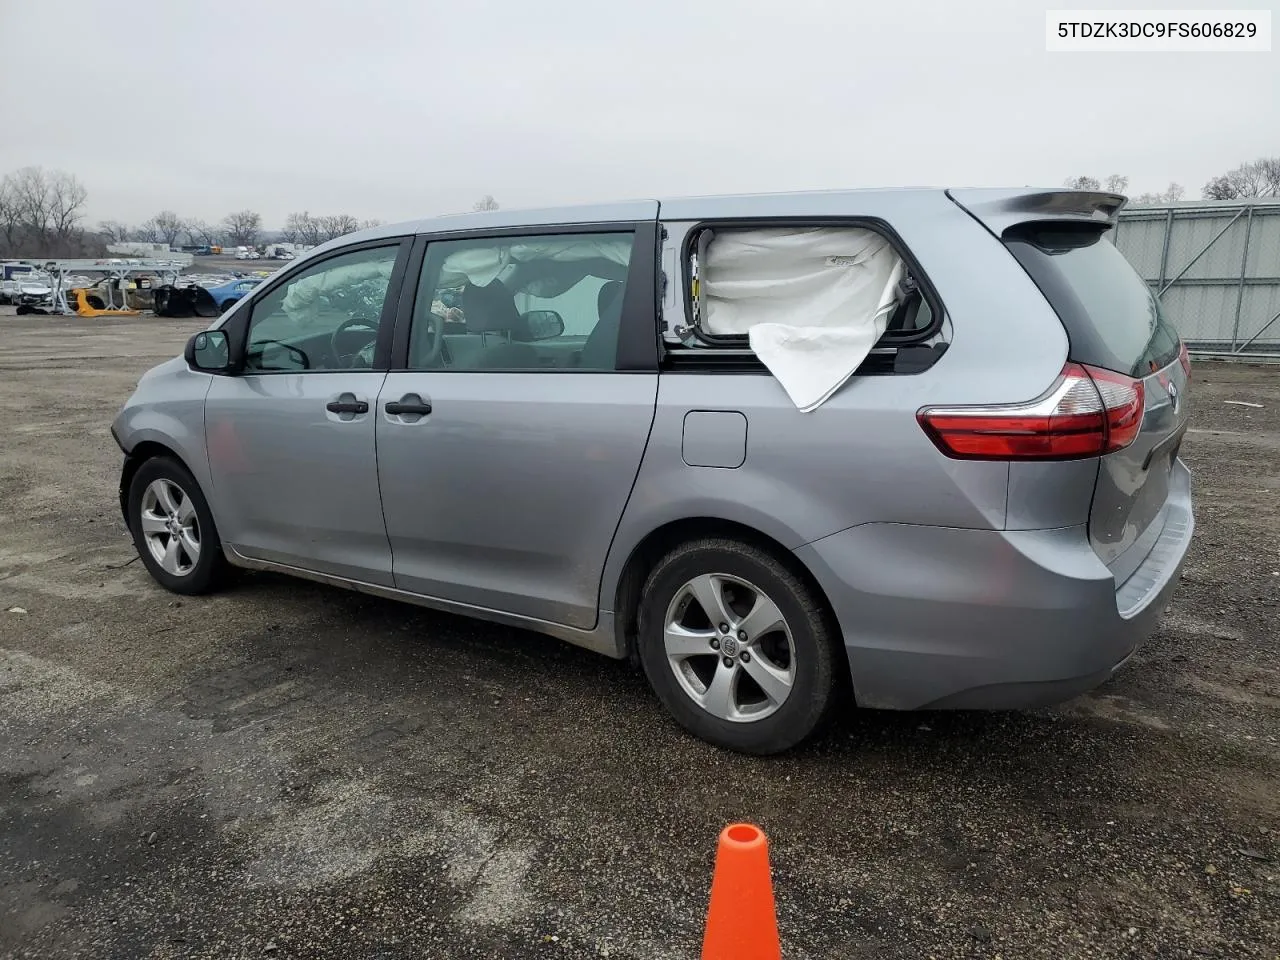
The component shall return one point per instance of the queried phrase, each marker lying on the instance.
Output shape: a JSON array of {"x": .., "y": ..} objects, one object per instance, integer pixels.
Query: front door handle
[
  {"x": 410, "y": 403},
  {"x": 347, "y": 406}
]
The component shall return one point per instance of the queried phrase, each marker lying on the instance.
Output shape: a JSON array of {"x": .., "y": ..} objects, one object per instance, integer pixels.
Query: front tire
[
  {"x": 228, "y": 304},
  {"x": 738, "y": 648},
  {"x": 173, "y": 528}
]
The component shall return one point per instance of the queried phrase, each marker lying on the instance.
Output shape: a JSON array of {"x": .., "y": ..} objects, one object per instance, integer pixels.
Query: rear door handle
[
  {"x": 347, "y": 406},
  {"x": 410, "y": 403}
]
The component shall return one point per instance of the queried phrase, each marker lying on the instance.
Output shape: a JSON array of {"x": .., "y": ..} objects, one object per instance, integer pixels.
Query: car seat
[
  {"x": 492, "y": 309},
  {"x": 601, "y": 349}
]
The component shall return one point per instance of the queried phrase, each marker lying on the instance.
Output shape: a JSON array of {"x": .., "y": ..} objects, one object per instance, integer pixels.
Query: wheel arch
[
  {"x": 143, "y": 451},
  {"x": 664, "y": 538}
]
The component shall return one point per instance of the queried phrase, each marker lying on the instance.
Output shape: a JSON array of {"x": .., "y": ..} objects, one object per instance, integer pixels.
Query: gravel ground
[{"x": 286, "y": 770}]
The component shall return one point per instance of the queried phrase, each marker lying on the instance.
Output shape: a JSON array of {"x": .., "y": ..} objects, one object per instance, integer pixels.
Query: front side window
[
  {"x": 325, "y": 318},
  {"x": 521, "y": 303}
]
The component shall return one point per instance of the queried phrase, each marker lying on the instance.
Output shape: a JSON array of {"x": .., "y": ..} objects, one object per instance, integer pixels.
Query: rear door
[
  {"x": 1114, "y": 323},
  {"x": 514, "y": 419}
]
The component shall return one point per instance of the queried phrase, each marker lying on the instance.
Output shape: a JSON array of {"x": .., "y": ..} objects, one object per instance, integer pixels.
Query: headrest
[
  {"x": 490, "y": 308},
  {"x": 607, "y": 298}
]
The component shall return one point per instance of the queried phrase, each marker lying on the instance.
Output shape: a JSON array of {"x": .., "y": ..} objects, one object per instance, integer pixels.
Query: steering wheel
[
  {"x": 437, "y": 340},
  {"x": 346, "y": 326}
]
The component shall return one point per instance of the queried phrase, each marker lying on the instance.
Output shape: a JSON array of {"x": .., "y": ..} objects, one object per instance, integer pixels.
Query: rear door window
[
  {"x": 524, "y": 303},
  {"x": 1112, "y": 318}
]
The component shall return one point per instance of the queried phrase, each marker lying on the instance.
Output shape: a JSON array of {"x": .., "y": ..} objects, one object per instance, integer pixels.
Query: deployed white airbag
[
  {"x": 304, "y": 298},
  {"x": 481, "y": 265},
  {"x": 812, "y": 301}
]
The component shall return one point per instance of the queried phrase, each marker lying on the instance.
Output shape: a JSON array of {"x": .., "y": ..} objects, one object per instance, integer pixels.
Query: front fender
[{"x": 166, "y": 412}]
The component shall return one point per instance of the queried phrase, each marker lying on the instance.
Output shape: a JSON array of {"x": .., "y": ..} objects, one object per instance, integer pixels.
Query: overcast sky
[{"x": 397, "y": 109}]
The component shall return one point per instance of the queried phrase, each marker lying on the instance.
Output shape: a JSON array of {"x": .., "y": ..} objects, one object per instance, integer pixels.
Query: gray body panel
[
  {"x": 945, "y": 618},
  {"x": 1131, "y": 487},
  {"x": 859, "y": 457},
  {"x": 508, "y": 494},
  {"x": 522, "y": 497},
  {"x": 171, "y": 415},
  {"x": 1132, "y": 494},
  {"x": 292, "y": 482}
]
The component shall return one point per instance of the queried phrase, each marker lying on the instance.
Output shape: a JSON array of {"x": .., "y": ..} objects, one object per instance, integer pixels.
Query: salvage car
[
  {"x": 227, "y": 295},
  {"x": 920, "y": 444}
]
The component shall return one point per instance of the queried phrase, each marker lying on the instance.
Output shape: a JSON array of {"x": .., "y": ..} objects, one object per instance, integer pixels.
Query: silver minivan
[{"x": 922, "y": 443}]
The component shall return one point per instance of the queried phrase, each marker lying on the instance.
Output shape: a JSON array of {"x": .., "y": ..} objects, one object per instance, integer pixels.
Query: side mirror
[
  {"x": 543, "y": 324},
  {"x": 210, "y": 351}
]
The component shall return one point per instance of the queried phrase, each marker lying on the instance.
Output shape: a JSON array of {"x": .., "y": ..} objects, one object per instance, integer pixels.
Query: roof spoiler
[{"x": 998, "y": 210}]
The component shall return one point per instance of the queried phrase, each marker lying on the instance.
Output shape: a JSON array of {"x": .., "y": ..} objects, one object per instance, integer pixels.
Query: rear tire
[
  {"x": 173, "y": 529},
  {"x": 760, "y": 686}
]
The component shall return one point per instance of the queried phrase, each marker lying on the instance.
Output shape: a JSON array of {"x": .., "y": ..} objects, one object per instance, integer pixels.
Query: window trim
[
  {"x": 237, "y": 327},
  {"x": 638, "y": 328},
  {"x": 874, "y": 224}
]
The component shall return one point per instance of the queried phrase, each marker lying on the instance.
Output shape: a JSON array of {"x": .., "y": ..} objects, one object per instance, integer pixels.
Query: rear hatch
[{"x": 1115, "y": 324}]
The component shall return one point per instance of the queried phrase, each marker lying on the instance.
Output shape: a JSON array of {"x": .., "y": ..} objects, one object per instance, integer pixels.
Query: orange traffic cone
[{"x": 741, "y": 921}]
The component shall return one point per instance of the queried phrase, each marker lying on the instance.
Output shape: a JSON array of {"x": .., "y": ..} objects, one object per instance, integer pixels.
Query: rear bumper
[{"x": 938, "y": 617}]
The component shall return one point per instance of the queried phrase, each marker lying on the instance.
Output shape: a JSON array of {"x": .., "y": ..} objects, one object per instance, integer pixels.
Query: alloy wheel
[
  {"x": 170, "y": 527},
  {"x": 730, "y": 648}
]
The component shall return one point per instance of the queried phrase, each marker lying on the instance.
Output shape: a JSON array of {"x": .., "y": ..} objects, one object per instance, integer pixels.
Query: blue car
[{"x": 227, "y": 295}]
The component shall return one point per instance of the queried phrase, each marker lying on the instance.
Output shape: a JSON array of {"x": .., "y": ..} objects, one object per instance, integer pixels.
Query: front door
[
  {"x": 291, "y": 438},
  {"x": 509, "y": 444}
]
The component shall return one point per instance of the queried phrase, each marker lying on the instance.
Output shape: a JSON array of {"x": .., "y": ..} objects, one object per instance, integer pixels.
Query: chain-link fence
[{"x": 1216, "y": 268}]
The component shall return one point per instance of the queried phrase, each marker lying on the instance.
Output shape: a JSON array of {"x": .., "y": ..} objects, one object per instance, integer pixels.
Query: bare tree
[
  {"x": 148, "y": 231},
  {"x": 169, "y": 227},
  {"x": 113, "y": 231},
  {"x": 242, "y": 227},
  {"x": 1170, "y": 194},
  {"x": 40, "y": 213},
  {"x": 366, "y": 224},
  {"x": 303, "y": 228},
  {"x": 1082, "y": 183},
  {"x": 1116, "y": 183},
  {"x": 31, "y": 191},
  {"x": 294, "y": 227},
  {"x": 1269, "y": 167},
  {"x": 485, "y": 204},
  {"x": 10, "y": 214},
  {"x": 312, "y": 230},
  {"x": 1261, "y": 178},
  {"x": 338, "y": 225},
  {"x": 66, "y": 204},
  {"x": 198, "y": 231}
]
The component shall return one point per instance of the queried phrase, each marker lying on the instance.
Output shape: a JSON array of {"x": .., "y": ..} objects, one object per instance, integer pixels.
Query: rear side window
[
  {"x": 1112, "y": 319},
  {"x": 807, "y": 275}
]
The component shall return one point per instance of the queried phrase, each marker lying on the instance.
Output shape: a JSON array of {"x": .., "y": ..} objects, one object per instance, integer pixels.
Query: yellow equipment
[{"x": 85, "y": 309}]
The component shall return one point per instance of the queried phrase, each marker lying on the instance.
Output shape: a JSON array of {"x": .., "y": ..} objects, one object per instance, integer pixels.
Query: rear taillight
[
  {"x": 1086, "y": 413},
  {"x": 1185, "y": 357}
]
